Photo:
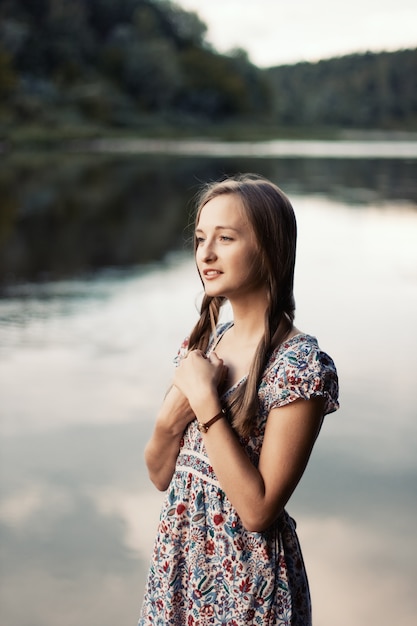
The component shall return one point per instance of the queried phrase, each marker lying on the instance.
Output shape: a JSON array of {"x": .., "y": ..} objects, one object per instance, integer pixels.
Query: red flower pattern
[{"x": 206, "y": 568}]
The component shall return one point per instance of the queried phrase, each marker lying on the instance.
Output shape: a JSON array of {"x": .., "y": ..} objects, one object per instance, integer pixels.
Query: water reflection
[
  {"x": 354, "y": 578},
  {"x": 68, "y": 214},
  {"x": 83, "y": 365},
  {"x": 273, "y": 148}
]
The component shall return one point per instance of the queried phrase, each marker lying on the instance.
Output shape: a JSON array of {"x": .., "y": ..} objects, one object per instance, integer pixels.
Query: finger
[
  {"x": 215, "y": 359},
  {"x": 199, "y": 353}
]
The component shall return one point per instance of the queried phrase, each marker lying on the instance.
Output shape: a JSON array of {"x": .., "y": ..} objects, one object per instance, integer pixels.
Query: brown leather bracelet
[{"x": 204, "y": 426}]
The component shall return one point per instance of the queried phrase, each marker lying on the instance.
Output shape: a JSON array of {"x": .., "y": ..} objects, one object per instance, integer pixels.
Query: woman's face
[{"x": 227, "y": 253}]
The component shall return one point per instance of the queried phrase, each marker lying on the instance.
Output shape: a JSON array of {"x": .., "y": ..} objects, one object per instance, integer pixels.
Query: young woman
[{"x": 236, "y": 429}]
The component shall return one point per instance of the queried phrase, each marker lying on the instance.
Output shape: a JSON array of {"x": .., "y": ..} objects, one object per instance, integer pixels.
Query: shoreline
[{"x": 37, "y": 138}]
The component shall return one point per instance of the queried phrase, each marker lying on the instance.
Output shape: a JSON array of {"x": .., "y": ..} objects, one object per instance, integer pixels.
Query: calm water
[{"x": 84, "y": 363}]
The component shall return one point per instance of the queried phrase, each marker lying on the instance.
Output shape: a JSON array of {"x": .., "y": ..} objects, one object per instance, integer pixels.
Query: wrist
[
  {"x": 207, "y": 408},
  {"x": 203, "y": 427}
]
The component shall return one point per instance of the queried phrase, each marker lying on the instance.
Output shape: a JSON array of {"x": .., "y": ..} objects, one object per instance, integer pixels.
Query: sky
[{"x": 276, "y": 32}]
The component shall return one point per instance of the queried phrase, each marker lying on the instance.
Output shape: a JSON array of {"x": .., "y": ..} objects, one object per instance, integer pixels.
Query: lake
[{"x": 99, "y": 291}]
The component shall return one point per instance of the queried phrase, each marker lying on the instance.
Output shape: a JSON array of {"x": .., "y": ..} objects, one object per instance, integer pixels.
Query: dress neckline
[{"x": 282, "y": 346}]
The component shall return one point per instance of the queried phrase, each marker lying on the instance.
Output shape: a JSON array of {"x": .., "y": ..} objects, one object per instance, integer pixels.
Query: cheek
[
  {"x": 197, "y": 261},
  {"x": 197, "y": 255}
]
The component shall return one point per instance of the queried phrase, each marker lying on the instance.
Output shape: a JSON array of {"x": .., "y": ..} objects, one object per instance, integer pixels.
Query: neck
[{"x": 249, "y": 317}]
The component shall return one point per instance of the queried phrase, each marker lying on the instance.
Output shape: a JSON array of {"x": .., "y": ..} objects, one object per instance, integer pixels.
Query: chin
[{"x": 213, "y": 293}]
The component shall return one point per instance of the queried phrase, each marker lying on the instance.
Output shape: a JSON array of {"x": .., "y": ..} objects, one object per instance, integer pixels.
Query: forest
[
  {"x": 79, "y": 67},
  {"x": 371, "y": 90}
]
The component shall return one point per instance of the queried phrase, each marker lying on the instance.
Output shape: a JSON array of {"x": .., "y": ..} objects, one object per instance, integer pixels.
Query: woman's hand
[
  {"x": 162, "y": 449},
  {"x": 176, "y": 412},
  {"x": 199, "y": 376},
  {"x": 196, "y": 380}
]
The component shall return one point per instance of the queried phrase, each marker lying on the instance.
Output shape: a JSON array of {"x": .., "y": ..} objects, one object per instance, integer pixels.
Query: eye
[
  {"x": 225, "y": 238},
  {"x": 199, "y": 240}
]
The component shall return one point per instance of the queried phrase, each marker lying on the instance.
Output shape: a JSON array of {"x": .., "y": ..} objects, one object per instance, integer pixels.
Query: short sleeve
[
  {"x": 183, "y": 349},
  {"x": 300, "y": 370}
]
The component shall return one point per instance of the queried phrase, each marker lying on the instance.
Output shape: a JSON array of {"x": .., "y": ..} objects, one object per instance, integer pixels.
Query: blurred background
[{"x": 112, "y": 114}]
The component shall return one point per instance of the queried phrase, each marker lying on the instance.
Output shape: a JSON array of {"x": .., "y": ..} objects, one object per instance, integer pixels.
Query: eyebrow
[{"x": 237, "y": 230}]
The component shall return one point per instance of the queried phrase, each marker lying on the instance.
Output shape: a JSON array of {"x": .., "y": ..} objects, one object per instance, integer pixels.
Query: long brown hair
[{"x": 271, "y": 215}]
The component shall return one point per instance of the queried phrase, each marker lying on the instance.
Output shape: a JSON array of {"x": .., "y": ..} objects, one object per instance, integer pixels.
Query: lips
[{"x": 211, "y": 273}]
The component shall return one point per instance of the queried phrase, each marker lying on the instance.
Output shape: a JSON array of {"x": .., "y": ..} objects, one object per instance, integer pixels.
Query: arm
[
  {"x": 258, "y": 494},
  {"x": 162, "y": 449}
]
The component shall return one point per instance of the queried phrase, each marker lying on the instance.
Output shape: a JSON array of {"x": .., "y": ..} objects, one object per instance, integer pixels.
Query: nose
[{"x": 206, "y": 251}]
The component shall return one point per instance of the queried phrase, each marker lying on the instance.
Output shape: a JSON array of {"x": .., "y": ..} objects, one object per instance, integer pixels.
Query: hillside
[
  {"x": 118, "y": 64},
  {"x": 360, "y": 90},
  {"x": 71, "y": 68}
]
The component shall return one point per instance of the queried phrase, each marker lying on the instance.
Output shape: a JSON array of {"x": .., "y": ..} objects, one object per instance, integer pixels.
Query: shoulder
[
  {"x": 298, "y": 368},
  {"x": 182, "y": 350},
  {"x": 300, "y": 352}
]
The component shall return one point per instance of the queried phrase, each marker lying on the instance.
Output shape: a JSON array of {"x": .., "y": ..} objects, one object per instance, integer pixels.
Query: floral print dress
[{"x": 206, "y": 567}]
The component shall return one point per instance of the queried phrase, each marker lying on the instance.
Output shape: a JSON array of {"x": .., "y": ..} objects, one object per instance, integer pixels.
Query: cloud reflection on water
[{"x": 80, "y": 381}]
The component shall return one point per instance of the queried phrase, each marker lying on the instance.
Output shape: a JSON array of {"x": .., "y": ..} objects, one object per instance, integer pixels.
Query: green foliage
[
  {"x": 221, "y": 86},
  {"x": 362, "y": 90},
  {"x": 111, "y": 62},
  {"x": 7, "y": 74},
  {"x": 210, "y": 85}
]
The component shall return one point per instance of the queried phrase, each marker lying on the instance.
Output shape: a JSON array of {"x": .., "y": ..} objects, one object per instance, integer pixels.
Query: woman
[{"x": 236, "y": 429}]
